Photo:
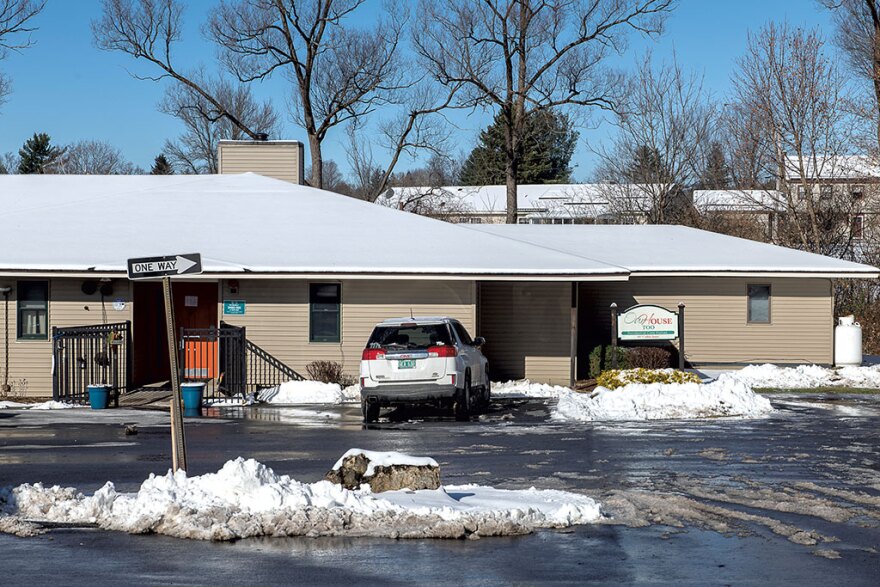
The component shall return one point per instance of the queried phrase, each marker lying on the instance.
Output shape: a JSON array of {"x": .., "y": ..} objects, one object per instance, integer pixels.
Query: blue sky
[{"x": 66, "y": 87}]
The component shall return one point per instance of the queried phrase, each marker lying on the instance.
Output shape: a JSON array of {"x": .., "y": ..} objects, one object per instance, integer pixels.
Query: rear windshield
[{"x": 410, "y": 336}]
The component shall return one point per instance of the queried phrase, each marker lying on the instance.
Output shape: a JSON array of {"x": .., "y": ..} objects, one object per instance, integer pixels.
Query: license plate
[{"x": 406, "y": 364}]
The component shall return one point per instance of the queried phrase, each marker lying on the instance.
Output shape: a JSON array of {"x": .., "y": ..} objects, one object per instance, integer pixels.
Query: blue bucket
[
  {"x": 192, "y": 396},
  {"x": 99, "y": 396}
]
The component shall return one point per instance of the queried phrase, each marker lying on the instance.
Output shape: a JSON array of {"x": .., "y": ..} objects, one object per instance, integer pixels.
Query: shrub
[
  {"x": 649, "y": 357},
  {"x": 615, "y": 378},
  {"x": 600, "y": 359},
  {"x": 328, "y": 372}
]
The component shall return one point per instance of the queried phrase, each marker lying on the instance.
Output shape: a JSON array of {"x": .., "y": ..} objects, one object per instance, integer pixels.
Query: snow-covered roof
[
  {"x": 739, "y": 200},
  {"x": 246, "y": 223},
  {"x": 832, "y": 167},
  {"x": 677, "y": 250}
]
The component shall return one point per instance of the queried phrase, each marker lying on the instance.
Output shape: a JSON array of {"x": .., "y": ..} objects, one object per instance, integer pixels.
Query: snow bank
[
  {"x": 49, "y": 405},
  {"x": 525, "y": 388},
  {"x": 246, "y": 498},
  {"x": 805, "y": 376},
  {"x": 385, "y": 459},
  {"x": 658, "y": 401},
  {"x": 302, "y": 392}
]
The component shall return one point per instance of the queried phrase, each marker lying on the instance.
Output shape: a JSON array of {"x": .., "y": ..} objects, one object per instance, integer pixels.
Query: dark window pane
[
  {"x": 462, "y": 334},
  {"x": 33, "y": 309},
  {"x": 759, "y": 303},
  {"x": 324, "y": 312},
  {"x": 410, "y": 337}
]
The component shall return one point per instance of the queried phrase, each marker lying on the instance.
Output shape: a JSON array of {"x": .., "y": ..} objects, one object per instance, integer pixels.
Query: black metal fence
[
  {"x": 86, "y": 355},
  {"x": 228, "y": 363}
]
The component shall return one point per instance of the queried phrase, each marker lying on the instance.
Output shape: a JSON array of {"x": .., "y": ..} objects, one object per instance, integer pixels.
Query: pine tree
[
  {"x": 716, "y": 174},
  {"x": 545, "y": 152},
  {"x": 161, "y": 166},
  {"x": 647, "y": 167},
  {"x": 37, "y": 155}
]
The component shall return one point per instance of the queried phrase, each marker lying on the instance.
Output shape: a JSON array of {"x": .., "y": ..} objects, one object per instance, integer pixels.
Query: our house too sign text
[{"x": 647, "y": 322}]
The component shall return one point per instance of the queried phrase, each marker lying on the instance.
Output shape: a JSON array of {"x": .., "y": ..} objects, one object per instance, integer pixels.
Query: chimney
[{"x": 278, "y": 159}]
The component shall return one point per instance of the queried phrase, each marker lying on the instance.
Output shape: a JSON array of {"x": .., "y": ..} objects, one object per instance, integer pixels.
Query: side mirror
[{"x": 479, "y": 341}]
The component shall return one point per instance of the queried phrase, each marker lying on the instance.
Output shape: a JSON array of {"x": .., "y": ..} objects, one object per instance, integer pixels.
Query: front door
[{"x": 195, "y": 306}]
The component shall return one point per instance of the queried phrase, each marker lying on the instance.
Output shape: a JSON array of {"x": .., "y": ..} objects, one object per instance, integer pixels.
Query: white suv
[{"x": 429, "y": 360}]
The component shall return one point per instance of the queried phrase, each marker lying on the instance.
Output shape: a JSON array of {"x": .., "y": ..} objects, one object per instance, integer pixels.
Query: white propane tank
[{"x": 847, "y": 342}]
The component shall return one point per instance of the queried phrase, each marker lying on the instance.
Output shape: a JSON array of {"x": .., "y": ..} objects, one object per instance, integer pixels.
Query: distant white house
[{"x": 595, "y": 203}]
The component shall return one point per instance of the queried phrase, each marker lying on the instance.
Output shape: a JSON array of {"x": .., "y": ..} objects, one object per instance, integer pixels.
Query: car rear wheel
[
  {"x": 370, "y": 410},
  {"x": 464, "y": 402}
]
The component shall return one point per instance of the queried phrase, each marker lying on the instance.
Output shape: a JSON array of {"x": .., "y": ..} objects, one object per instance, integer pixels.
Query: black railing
[
  {"x": 86, "y": 355},
  {"x": 228, "y": 363}
]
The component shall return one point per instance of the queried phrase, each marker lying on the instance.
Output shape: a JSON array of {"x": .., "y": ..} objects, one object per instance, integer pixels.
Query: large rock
[{"x": 384, "y": 472}]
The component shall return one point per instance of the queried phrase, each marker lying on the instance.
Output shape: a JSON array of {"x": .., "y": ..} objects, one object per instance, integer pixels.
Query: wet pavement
[{"x": 794, "y": 498}]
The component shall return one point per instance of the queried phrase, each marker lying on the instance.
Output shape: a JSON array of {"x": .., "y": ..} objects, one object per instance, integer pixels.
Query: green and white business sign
[
  {"x": 233, "y": 307},
  {"x": 647, "y": 322}
]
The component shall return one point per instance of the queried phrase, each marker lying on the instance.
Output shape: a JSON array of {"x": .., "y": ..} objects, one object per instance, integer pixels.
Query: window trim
[
  {"x": 19, "y": 336},
  {"x": 769, "y": 320},
  {"x": 338, "y": 338}
]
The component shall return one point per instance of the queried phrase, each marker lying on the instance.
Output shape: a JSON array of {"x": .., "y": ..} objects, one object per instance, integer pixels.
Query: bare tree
[
  {"x": 94, "y": 158},
  {"x": 149, "y": 30},
  {"x": 858, "y": 34},
  {"x": 196, "y": 150},
  {"x": 340, "y": 72},
  {"x": 515, "y": 56},
  {"x": 15, "y": 17},
  {"x": 792, "y": 103},
  {"x": 665, "y": 125}
]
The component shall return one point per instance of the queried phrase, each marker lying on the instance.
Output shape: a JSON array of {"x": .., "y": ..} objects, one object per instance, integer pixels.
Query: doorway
[{"x": 195, "y": 306}]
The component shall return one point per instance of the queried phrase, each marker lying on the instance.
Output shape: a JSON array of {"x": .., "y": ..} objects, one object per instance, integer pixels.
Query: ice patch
[
  {"x": 658, "y": 401},
  {"x": 246, "y": 498}
]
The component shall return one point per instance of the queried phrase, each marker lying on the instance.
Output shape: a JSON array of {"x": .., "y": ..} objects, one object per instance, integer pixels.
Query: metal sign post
[{"x": 165, "y": 267}]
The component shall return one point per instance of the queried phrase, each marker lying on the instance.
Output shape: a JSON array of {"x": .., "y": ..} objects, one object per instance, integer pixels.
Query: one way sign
[{"x": 169, "y": 265}]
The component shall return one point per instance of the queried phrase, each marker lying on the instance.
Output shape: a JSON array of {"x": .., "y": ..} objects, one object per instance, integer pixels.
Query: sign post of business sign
[
  {"x": 165, "y": 267},
  {"x": 647, "y": 322}
]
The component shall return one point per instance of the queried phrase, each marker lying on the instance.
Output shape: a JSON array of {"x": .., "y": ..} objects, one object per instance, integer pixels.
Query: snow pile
[
  {"x": 525, "y": 388},
  {"x": 805, "y": 376},
  {"x": 246, "y": 498},
  {"x": 659, "y": 401},
  {"x": 302, "y": 392},
  {"x": 385, "y": 459},
  {"x": 49, "y": 405}
]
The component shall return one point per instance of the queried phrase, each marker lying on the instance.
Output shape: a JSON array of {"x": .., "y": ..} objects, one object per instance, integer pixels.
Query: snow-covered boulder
[{"x": 384, "y": 471}]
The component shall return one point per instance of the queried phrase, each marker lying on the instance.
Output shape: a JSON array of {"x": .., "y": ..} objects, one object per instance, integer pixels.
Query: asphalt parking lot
[{"x": 794, "y": 498}]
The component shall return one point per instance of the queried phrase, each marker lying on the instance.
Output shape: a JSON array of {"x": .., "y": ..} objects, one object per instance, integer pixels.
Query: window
[
  {"x": 463, "y": 336},
  {"x": 801, "y": 192},
  {"x": 470, "y": 220},
  {"x": 759, "y": 304},
  {"x": 826, "y": 191},
  {"x": 857, "y": 192},
  {"x": 33, "y": 310},
  {"x": 858, "y": 224},
  {"x": 324, "y": 312}
]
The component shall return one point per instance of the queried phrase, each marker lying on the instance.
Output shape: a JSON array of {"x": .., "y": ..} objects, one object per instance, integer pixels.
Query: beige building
[{"x": 304, "y": 275}]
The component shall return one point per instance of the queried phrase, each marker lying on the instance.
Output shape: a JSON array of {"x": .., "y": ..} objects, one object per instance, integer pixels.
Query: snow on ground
[
  {"x": 302, "y": 392},
  {"x": 659, "y": 401},
  {"x": 805, "y": 376},
  {"x": 525, "y": 388},
  {"x": 245, "y": 498},
  {"x": 49, "y": 405},
  {"x": 385, "y": 459}
]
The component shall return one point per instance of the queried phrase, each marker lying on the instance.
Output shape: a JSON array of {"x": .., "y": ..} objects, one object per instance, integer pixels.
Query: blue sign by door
[{"x": 233, "y": 307}]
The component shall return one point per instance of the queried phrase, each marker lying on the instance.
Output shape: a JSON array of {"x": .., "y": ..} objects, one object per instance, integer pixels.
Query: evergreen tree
[
  {"x": 546, "y": 150},
  {"x": 37, "y": 155},
  {"x": 161, "y": 166},
  {"x": 716, "y": 174},
  {"x": 647, "y": 167}
]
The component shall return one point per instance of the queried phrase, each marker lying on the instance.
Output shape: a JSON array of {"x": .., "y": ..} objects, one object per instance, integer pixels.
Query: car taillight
[
  {"x": 453, "y": 379},
  {"x": 363, "y": 381},
  {"x": 373, "y": 354},
  {"x": 442, "y": 351}
]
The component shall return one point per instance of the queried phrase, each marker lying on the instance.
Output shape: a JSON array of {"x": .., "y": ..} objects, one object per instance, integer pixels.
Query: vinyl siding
[
  {"x": 528, "y": 330},
  {"x": 279, "y": 160},
  {"x": 716, "y": 328},
  {"x": 277, "y": 314},
  {"x": 31, "y": 360}
]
